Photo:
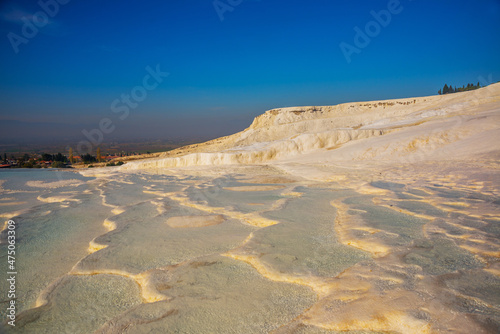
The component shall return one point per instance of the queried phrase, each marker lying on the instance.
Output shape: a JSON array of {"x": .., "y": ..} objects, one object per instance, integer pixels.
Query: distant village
[{"x": 60, "y": 160}]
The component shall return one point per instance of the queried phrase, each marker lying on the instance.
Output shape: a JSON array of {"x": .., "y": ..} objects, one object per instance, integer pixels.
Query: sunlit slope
[{"x": 409, "y": 128}]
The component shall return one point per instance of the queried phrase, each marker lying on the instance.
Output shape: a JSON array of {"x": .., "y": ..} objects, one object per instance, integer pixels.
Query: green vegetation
[
  {"x": 40, "y": 159},
  {"x": 58, "y": 164},
  {"x": 111, "y": 164},
  {"x": 88, "y": 158},
  {"x": 43, "y": 160},
  {"x": 450, "y": 89},
  {"x": 28, "y": 164},
  {"x": 55, "y": 157}
]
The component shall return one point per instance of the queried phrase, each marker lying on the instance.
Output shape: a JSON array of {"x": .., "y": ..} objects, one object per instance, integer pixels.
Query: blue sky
[{"x": 263, "y": 54}]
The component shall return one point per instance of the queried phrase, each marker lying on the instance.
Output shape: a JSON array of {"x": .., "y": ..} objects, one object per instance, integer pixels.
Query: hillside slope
[{"x": 414, "y": 128}]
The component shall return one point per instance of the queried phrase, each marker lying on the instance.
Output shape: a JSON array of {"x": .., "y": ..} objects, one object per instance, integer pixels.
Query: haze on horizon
[{"x": 226, "y": 63}]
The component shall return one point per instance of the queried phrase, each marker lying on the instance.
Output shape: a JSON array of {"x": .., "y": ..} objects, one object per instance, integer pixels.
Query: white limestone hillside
[{"x": 457, "y": 124}]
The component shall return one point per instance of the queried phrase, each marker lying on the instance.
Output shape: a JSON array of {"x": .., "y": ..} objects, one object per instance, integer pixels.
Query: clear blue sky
[{"x": 262, "y": 55}]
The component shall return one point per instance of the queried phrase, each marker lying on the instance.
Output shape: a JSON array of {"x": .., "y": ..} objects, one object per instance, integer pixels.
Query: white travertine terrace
[
  {"x": 363, "y": 217},
  {"x": 395, "y": 130}
]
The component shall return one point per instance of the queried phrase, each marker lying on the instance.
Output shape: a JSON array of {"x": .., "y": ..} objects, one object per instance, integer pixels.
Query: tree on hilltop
[{"x": 445, "y": 89}]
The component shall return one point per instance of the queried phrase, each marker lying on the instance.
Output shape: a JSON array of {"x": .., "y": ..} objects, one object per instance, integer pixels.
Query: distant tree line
[
  {"x": 450, "y": 89},
  {"x": 36, "y": 161},
  {"x": 58, "y": 160},
  {"x": 54, "y": 157},
  {"x": 88, "y": 158}
]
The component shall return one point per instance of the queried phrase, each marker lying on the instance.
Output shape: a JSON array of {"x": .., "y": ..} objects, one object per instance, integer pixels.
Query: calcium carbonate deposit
[{"x": 364, "y": 217}]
